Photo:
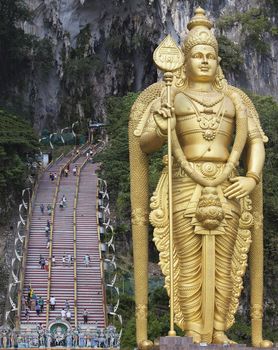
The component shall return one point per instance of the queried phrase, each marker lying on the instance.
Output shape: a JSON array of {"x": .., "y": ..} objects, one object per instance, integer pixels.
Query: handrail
[
  {"x": 74, "y": 241},
  {"x": 24, "y": 251},
  {"x": 101, "y": 263},
  {"x": 54, "y": 202}
]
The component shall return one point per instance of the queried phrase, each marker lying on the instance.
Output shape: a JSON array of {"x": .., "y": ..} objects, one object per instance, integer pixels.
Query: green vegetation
[
  {"x": 18, "y": 145},
  {"x": 115, "y": 158},
  {"x": 254, "y": 27},
  {"x": 15, "y": 44},
  {"x": 43, "y": 56},
  {"x": 230, "y": 53},
  {"x": 20, "y": 54},
  {"x": 79, "y": 64}
]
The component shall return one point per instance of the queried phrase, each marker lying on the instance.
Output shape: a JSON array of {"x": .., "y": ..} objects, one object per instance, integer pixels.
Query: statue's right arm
[{"x": 152, "y": 139}]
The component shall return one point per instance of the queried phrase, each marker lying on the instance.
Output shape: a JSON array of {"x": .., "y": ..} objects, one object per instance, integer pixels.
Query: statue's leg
[
  {"x": 189, "y": 250},
  {"x": 224, "y": 249}
]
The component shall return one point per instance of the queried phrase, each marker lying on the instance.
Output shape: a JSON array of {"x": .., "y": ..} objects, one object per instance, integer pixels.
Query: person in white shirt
[
  {"x": 69, "y": 259},
  {"x": 68, "y": 315},
  {"x": 63, "y": 313},
  {"x": 52, "y": 303}
]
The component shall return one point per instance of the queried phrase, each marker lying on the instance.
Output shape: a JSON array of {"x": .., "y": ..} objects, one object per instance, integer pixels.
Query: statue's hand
[
  {"x": 240, "y": 188},
  {"x": 162, "y": 115}
]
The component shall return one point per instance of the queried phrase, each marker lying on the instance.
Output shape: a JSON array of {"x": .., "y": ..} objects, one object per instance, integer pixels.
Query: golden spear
[{"x": 168, "y": 57}]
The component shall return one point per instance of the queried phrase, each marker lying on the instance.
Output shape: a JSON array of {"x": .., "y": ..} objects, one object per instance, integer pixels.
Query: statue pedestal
[
  {"x": 175, "y": 343},
  {"x": 186, "y": 343}
]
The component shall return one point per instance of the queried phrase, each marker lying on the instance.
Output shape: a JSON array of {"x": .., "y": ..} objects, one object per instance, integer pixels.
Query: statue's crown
[{"x": 199, "y": 32}]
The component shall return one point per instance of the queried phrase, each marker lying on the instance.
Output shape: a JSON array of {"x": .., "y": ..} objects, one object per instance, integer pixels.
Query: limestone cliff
[{"x": 105, "y": 48}]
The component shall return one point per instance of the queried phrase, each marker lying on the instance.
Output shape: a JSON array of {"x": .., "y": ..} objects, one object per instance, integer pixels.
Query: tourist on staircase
[
  {"x": 52, "y": 303},
  {"x": 67, "y": 305},
  {"x": 64, "y": 200},
  {"x": 42, "y": 262},
  {"x": 47, "y": 229},
  {"x": 85, "y": 316},
  {"x": 53, "y": 260},
  {"x": 61, "y": 204},
  {"x": 63, "y": 314},
  {"x": 46, "y": 265},
  {"x": 42, "y": 208},
  {"x": 49, "y": 209},
  {"x": 41, "y": 304},
  {"x": 87, "y": 260},
  {"x": 69, "y": 259},
  {"x": 27, "y": 313},
  {"x": 68, "y": 316},
  {"x": 38, "y": 309}
]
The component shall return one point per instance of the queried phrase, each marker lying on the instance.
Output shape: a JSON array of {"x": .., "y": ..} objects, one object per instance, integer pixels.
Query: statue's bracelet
[{"x": 253, "y": 176}]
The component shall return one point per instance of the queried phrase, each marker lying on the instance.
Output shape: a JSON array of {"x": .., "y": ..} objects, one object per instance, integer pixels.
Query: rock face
[{"x": 122, "y": 37}]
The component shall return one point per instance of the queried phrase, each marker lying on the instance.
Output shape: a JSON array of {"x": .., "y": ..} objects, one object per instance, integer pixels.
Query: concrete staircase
[
  {"x": 90, "y": 293},
  {"x": 89, "y": 279}
]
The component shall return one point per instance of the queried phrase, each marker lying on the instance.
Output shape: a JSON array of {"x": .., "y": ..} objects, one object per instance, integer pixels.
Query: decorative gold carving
[
  {"x": 206, "y": 99},
  {"x": 258, "y": 220},
  {"x": 167, "y": 56},
  {"x": 200, "y": 33},
  {"x": 141, "y": 311},
  {"x": 257, "y": 311},
  {"x": 209, "y": 210},
  {"x": 239, "y": 258},
  {"x": 139, "y": 216}
]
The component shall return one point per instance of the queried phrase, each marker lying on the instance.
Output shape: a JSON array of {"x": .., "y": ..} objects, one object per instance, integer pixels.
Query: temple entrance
[{"x": 59, "y": 334}]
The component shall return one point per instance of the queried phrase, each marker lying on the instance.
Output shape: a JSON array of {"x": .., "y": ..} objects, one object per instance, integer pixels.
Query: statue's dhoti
[{"x": 209, "y": 244}]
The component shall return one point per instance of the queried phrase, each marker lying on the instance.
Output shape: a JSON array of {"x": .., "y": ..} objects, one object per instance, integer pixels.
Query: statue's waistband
[{"x": 207, "y": 169}]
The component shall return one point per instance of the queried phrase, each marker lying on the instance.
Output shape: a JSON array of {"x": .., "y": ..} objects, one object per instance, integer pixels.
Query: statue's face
[{"x": 201, "y": 63}]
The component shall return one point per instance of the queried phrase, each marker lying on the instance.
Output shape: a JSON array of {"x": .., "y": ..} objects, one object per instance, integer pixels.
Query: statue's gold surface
[{"x": 216, "y": 212}]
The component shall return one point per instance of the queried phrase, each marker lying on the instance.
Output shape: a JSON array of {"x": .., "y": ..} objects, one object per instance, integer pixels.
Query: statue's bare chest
[{"x": 208, "y": 114}]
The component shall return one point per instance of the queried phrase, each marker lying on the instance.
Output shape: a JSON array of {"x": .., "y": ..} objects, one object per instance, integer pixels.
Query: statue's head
[{"x": 200, "y": 49}]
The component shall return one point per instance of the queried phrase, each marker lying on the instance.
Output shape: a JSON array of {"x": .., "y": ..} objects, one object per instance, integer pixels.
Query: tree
[{"x": 18, "y": 145}]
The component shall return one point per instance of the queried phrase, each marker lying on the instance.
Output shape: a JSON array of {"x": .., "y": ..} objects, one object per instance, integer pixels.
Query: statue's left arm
[
  {"x": 255, "y": 156},
  {"x": 254, "y": 161}
]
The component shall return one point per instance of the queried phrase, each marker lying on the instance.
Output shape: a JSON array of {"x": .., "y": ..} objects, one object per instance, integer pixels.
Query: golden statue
[{"x": 215, "y": 212}]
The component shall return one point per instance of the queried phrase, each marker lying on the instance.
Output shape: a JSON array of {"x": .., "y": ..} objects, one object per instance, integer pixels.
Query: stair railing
[
  {"x": 74, "y": 240},
  {"x": 54, "y": 203},
  {"x": 24, "y": 253},
  {"x": 104, "y": 301}
]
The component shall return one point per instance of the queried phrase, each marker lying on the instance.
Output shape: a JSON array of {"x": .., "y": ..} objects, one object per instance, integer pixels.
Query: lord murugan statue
[{"x": 216, "y": 213}]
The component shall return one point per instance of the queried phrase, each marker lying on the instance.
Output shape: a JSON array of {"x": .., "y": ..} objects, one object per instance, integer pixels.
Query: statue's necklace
[
  {"x": 206, "y": 99},
  {"x": 208, "y": 120}
]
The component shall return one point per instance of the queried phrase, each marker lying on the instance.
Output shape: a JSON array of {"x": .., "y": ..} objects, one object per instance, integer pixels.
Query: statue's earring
[
  {"x": 181, "y": 81},
  {"x": 220, "y": 80}
]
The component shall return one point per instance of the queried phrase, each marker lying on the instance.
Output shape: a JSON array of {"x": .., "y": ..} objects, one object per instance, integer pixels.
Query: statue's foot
[
  {"x": 196, "y": 336},
  {"x": 145, "y": 345},
  {"x": 219, "y": 337},
  {"x": 263, "y": 344}
]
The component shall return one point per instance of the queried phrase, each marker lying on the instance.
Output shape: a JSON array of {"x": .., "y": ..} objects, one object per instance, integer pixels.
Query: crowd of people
[
  {"x": 66, "y": 261},
  {"x": 33, "y": 302}
]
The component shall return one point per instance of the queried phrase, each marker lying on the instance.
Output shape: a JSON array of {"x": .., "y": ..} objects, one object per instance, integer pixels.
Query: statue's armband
[{"x": 254, "y": 135}]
